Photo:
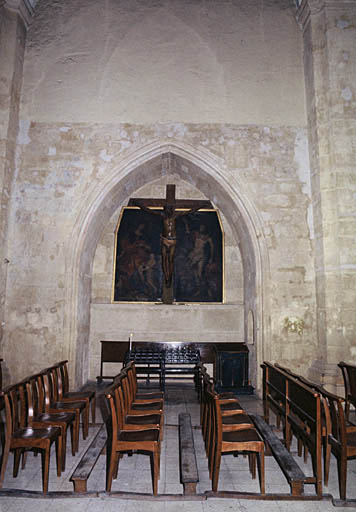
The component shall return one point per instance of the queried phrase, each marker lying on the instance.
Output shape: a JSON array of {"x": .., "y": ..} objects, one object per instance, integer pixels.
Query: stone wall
[
  {"x": 63, "y": 167},
  {"x": 107, "y": 90}
]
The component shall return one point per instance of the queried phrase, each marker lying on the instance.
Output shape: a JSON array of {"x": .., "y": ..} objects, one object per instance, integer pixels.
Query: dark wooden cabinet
[{"x": 231, "y": 367}]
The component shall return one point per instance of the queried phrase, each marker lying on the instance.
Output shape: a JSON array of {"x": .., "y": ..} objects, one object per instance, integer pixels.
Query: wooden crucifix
[{"x": 169, "y": 209}]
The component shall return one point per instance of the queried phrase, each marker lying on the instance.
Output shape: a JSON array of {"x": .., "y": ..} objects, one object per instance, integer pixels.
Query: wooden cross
[
  {"x": 169, "y": 209},
  {"x": 170, "y": 200}
]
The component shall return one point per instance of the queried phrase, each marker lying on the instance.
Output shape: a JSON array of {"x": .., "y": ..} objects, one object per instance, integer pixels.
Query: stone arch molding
[{"x": 199, "y": 168}]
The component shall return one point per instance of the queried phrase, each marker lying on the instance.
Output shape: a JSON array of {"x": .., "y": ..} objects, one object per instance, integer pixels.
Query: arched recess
[{"x": 205, "y": 172}]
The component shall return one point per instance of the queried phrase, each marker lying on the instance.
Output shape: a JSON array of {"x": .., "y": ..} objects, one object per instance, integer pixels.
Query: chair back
[
  {"x": 214, "y": 427},
  {"x": 351, "y": 372},
  {"x": 334, "y": 411},
  {"x": 127, "y": 390},
  {"x": 45, "y": 389},
  {"x": 14, "y": 410},
  {"x": 130, "y": 370},
  {"x": 112, "y": 418},
  {"x": 62, "y": 371}
]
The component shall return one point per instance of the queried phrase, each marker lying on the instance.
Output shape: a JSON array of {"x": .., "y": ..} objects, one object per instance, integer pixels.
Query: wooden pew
[
  {"x": 274, "y": 394},
  {"x": 187, "y": 459},
  {"x": 300, "y": 409}
]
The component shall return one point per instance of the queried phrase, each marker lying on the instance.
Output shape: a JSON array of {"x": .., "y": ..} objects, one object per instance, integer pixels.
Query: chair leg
[
  {"x": 347, "y": 409},
  {"x": 72, "y": 438},
  {"x": 261, "y": 470},
  {"x": 59, "y": 454},
  {"x": 300, "y": 447},
  {"x": 118, "y": 456},
  {"x": 77, "y": 423},
  {"x": 45, "y": 469},
  {"x": 85, "y": 417},
  {"x": 93, "y": 410},
  {"x": 4, "y": 460},
  {"x": 154, "y": 471},
  {"x": 342, "y": 473},
  {"x": 111, "y": 466},
  {"x": 17, "y": 459},
  {"x": 24, "y": 459},
  {"x": 252, "y": 464},
  {"x": 327, "y": 453},
  {"x": 216, "y": 471}
]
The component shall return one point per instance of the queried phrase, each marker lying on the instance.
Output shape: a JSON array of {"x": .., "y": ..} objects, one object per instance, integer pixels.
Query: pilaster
[
  {"x": 15, "y": 16},
  {"x": 330, "y": 73}
]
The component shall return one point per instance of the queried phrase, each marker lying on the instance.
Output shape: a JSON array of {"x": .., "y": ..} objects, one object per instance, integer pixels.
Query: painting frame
[{"x": 199, "y": 276}]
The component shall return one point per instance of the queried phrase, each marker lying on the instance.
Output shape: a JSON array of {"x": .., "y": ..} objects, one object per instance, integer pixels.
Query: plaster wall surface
[{"x": 168, "y": 60}]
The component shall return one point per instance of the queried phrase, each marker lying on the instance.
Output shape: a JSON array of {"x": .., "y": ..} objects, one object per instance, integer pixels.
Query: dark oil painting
[{"x": 198, "y": 262}]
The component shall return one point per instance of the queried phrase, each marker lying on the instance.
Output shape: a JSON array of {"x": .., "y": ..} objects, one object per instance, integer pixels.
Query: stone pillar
[
  {"x": 330, "y": 77},
  {"x": 15, "y": 16}
]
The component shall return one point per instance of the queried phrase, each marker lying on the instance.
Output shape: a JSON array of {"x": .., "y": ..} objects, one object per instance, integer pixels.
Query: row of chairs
[
  {"x": 39, "y": 410},
  {"x": 227, "y": 429},
  {"x": 134, "y": 424}
]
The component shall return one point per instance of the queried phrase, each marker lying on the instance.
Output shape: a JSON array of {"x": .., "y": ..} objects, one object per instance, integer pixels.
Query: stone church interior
[{"x": 178, "y": 254}]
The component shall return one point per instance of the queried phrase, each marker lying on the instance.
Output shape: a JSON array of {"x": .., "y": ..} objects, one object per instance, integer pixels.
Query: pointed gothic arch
[{"x": 202, "y": 170}]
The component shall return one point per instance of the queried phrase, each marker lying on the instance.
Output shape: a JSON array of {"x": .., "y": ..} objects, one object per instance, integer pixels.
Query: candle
[{"x": 131, "y": 341}]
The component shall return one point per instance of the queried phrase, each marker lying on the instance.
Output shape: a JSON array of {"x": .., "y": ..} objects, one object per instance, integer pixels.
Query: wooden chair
[
  {"x": 52, "y": 404},
  {"x": 21, "y": 437},
  {"x": 138, "y": 408},
  {"x": 139, "y": 394},
  {"x": 120, "y": 441},
  {"x": 57, "y": 385},
  {"x": 133, "y": 422},
  {"x": 246, "y": 441},
  {"x": 341, "y": 439},
  {"x": 349, "y": 376},
  {"x": 228, "y": 406},
  {"x": 87, "y": 396},
  {"x": 42, "y": 419}
]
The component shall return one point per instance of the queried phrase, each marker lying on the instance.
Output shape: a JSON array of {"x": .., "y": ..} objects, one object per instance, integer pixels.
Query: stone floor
[{"x": 134, "y": 475}]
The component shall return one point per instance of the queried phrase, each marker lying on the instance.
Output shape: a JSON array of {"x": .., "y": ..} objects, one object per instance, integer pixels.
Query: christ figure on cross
[{"x": 169, "y": 214}]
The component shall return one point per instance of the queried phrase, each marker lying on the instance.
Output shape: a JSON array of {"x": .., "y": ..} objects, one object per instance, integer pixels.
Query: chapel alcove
[{"x": 225, "y": 322}]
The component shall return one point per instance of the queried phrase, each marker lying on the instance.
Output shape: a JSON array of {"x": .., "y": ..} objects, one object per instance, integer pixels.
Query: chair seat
[
  {"x": 351, "y": 440},
  {"x": 149, "y": 395},
  {"x": 230, "y": 406},
  {"x": 36, "y": 433},
  {"x": 241, "y": 436},
  {"x": 143, "y": 420},
  {"x": 137, "y": 436},
  {"x": 68, "y": 405},
  {"x": 227, "y": 395},
  {"x": 76, "y": 395},
  {"x": 146, "y": 407},
  {"x": 237, "y": 420},
  {"x": 61, "y": 417}
]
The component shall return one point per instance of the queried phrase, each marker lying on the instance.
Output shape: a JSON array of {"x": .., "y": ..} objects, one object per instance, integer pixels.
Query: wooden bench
[
  {"x": 286, "y": 462},
  {"x": 300, "y": 409},
  {"x": 187, "y": 460},
  {"x": 83, "y": 470}
]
